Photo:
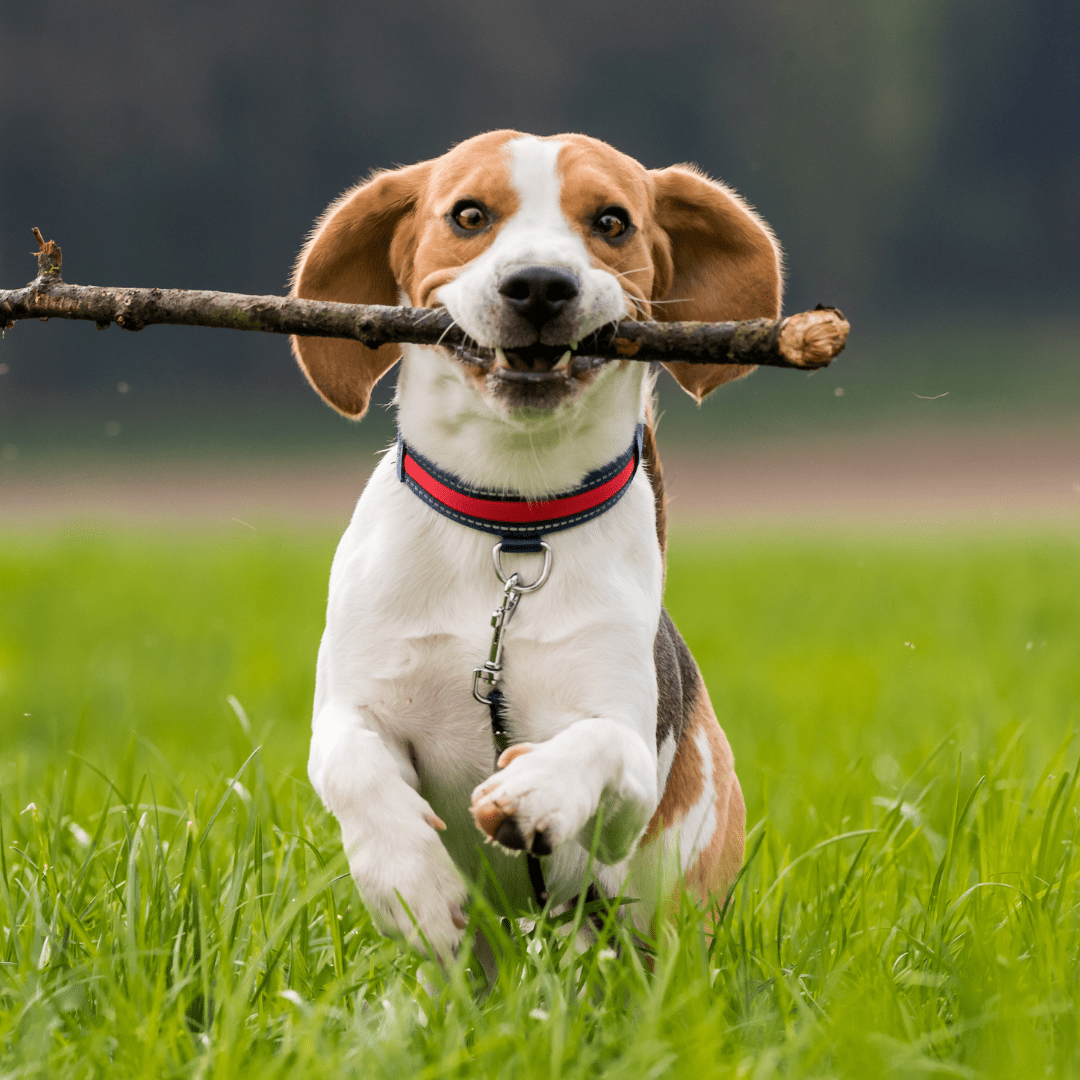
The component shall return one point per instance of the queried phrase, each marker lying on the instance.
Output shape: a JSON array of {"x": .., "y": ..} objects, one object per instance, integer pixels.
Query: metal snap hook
[{"x": 545, "y": 570}]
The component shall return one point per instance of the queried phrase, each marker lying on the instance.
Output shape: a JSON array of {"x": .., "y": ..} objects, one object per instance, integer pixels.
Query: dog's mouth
[{"x": 535, "y": 363}]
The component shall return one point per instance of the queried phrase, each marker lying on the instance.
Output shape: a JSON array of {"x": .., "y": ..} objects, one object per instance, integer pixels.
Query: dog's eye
[
  {"x": 468, "y": 216},
  {"x": 611, "y": 222}
]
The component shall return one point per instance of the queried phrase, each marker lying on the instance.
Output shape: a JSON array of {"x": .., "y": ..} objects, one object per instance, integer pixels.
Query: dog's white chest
[{"x": 409, "y": 619}]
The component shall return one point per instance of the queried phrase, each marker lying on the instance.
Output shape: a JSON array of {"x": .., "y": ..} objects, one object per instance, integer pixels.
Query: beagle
[{"x": 573, "y": 725}]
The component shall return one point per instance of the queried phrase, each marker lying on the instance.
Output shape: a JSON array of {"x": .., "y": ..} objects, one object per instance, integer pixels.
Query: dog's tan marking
[
  {"x": 489, "y": 814},
  {"x": 512, "y": 752},
  {"x": 684, "y": 786},
  {"x": 719, "y": 855},
  {"x": 389, "y": 235},
  {"x": 656, "y": 476},
  {"x": 718, "y": 863},
  {"x": 435, "y": 822},
  {"x": 475, "y": 169},
  {"x": 595, "y": 175}
]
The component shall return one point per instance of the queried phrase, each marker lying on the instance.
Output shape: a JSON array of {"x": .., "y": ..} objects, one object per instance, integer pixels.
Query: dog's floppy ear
[
  {"x": 349, "y": 259},
  {"x": 715, "y": 260}
]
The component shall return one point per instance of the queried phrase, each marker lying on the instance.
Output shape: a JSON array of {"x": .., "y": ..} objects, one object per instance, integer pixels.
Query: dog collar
[{"x": 520, "y": 522}]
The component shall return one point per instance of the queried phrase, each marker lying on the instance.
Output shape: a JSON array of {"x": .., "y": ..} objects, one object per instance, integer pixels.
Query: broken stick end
[
  {"x": 49, "y": 256},
  {"x": 812, "y": 339}
]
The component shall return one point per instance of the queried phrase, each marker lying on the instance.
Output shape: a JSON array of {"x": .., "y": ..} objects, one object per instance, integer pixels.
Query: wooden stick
[{"x": 808, "y": 340}]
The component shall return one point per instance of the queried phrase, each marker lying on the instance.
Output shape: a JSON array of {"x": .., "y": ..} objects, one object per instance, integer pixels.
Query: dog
[{"x": 526, "y": 479}]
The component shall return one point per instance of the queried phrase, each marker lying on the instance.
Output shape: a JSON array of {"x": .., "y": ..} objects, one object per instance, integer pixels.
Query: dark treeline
[{"x": 911, "y": 154}]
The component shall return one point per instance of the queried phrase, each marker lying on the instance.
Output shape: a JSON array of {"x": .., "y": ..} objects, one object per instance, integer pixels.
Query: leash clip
[
  {"x": 491, "y": 672},
  {"x": 513, "y": 590}
]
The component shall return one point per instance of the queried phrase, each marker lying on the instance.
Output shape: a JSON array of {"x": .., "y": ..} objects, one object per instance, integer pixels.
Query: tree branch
[{"x": 808, "y": 340}]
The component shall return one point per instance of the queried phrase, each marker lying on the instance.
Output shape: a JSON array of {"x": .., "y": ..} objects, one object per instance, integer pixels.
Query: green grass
[{"x": 173, "y": 902}]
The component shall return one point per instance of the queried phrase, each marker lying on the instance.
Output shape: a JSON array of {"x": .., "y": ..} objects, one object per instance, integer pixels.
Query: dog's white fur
[{"x": 399, "y": 747}]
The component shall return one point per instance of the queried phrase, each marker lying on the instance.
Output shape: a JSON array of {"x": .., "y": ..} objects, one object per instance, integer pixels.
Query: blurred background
[{"x": 920, "y": 162}]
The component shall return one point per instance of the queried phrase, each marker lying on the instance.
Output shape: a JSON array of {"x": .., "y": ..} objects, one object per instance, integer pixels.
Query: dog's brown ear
[
  {"x": 348, "y": 259},
  {"x": 715, "y": 260}
]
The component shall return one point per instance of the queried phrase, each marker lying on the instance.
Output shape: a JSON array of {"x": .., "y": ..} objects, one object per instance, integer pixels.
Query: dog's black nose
[{"x": 539, "y": 293}]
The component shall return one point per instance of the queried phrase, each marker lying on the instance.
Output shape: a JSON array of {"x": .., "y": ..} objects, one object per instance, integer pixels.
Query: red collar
[{"x": 519, "y": 521}]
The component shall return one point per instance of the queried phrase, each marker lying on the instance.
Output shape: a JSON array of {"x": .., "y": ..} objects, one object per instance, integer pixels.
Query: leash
[
  {"x": 520, "y": 525},
  {"x": 491, "y": 673}
]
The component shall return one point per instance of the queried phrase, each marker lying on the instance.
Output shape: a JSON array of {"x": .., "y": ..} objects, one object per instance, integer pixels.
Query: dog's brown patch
[
  {"x": 718, "y": 864},
  {"x": 683, "y": 788},
  {"x": 720, "y": 856},
  {"x": 655, "y": 472}
]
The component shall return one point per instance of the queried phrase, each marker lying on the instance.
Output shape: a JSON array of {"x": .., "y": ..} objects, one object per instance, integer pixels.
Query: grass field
[{"x": 903, "y": 712}]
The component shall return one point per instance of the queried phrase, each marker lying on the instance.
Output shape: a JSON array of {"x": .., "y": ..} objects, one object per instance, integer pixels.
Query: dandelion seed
[
  {"x": 1031, "y": 644},
  {"x": 293, "y": 996},
  {"x": 539, "y": 1014},
  {"x": 606, "y": 954},
  {"x": 838, "y": 392},
  {"x": 908, "y": 645}
]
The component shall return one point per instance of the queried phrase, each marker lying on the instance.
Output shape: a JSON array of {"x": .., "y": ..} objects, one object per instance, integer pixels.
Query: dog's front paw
[
  {"x": 410, "y": 887},
  {"x": 528, "y": 806}
]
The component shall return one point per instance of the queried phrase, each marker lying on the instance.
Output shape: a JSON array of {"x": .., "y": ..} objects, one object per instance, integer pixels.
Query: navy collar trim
[{"x": 521, "y": 522}]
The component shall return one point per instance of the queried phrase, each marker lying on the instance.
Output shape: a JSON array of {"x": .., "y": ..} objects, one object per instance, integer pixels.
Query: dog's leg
[
  {"x": 389, "y": 831},
  {"x": 547, "y": 793}
]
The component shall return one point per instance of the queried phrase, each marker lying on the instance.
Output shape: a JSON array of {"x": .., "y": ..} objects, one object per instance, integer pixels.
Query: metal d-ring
[{"x": 496, "y": 554}]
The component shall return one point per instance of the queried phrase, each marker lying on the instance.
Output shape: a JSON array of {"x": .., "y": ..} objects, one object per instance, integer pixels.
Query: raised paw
[{"x": 524, "y": 807}]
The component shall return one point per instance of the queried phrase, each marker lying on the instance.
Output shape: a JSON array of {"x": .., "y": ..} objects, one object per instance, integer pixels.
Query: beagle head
[{"x": 531, "y": 244}]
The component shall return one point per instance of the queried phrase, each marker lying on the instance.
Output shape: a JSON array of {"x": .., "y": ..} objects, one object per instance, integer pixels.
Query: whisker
[
  {"x": 644, "y": 307},
  {"x": 453, "y": 323}
]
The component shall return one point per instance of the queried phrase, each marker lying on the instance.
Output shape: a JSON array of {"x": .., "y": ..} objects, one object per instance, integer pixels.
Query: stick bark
[{"x": 808, "y": 340}]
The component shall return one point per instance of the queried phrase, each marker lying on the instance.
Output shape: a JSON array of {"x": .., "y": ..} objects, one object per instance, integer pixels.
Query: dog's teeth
[
  {"x": 500, "y": 358},
  {"x": 564, "y": 360}
]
